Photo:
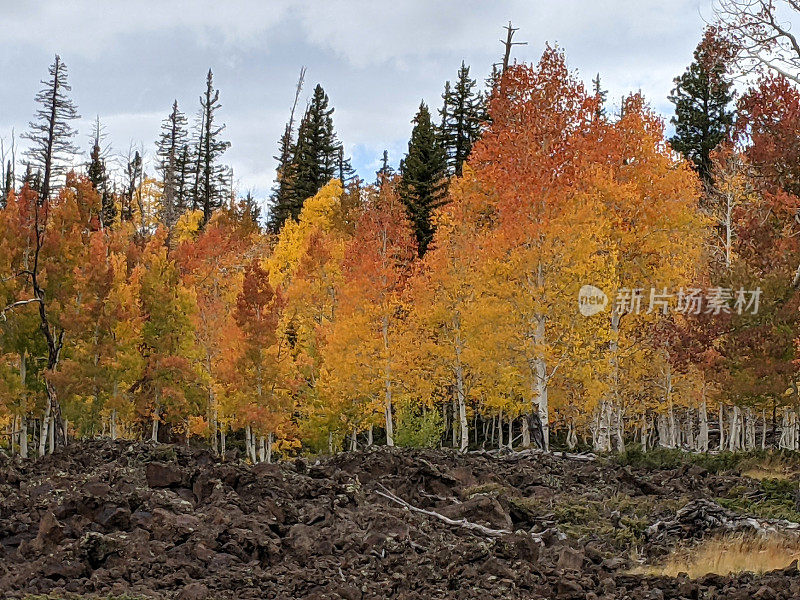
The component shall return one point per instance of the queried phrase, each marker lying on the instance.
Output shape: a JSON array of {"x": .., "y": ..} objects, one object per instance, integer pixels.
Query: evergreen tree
[
  {"x": 51, "y": 134},
  {"x": 184, "y": 174},
  {"x": 249, "y": 208},
  {"x": 462, "y": 117},
  {"x": 344, "y": 168},
  {"x": 211, "y": 177},
  {"x": 386, "y": 170},
  {"x": 134, "y": 174},
  {"x": 169, "y": 150},
  {"x": 424, "y": 176},
  {"x": 316, "y": 158},
  {"x": 600, "y": 94},
  {"x": 33, "y": 179},
  {"x": 282, "y": 190},
  {"x": 8, "y": 182},
  {"x": 701, "y": 97},
  {"x": 99, "y": 177}
]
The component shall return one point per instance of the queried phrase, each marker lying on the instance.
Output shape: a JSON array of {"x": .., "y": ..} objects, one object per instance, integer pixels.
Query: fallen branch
[
  {"x": 463, "y": 523},
  {"x": 487, "y": 531}
]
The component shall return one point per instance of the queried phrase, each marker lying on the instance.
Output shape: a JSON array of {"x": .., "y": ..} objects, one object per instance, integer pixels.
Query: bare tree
[
  {"x": 762, "y": 33},
  {"x": 508, "y": 44},
  {"x": 50, "y": 133}
]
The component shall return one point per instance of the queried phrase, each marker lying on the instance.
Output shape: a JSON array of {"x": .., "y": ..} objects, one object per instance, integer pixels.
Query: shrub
[{"x": 417, "y": 428}]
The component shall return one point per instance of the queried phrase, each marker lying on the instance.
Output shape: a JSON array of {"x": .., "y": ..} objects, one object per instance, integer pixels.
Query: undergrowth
[
  {"x": 775, "y": 461},
  {"x": 728, "y": 554},
  {"x": 774, "y": 499}
]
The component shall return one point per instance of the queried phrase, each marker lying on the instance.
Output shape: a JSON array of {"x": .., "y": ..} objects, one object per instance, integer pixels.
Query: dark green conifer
[
  {"x": 702, "y": 97},
  {"x": 424, "y": 176}
]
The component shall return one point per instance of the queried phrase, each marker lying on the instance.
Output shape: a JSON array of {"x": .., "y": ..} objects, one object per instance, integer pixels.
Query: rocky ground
[{"x": 146, "y": 521}]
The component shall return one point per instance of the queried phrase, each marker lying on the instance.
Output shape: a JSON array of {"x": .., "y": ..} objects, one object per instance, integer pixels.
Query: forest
[{"x": 541, "y": 270}]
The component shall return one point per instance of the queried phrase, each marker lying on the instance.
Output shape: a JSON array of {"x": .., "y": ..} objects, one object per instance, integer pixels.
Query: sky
[{"x": 376, "y": 60}]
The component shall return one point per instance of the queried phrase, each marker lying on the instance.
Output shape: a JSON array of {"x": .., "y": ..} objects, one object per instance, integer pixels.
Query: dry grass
[
  {"x": 769, "y": 472},
  {"x": 729, "y": 554},
  {"x": 769, "y": 467}
]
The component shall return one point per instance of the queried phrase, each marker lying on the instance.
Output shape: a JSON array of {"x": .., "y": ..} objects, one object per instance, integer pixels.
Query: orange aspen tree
[{"x": 376, "y": 266}]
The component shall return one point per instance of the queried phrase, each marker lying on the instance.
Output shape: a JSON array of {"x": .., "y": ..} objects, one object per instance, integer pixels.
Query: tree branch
[{"x": 17, "y": 304}]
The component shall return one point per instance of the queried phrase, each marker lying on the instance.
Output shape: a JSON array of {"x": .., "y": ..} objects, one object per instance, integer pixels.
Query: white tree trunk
[
  {"x": 270, "y": 439},
  {"x": 262, "y": 449},
  {"x": 23, "y": 436},
  {"x": 542, "y": 396},
  {"x": 644, "y": 432},
  {"x": 154, "y": 432},
  {"x": 721, "y": 427},
  {"x": 43, "y": 430},
  {"x": 664, "y": 437},
  {"x": 674, "y": 435},
  {"x": 51, "y": 435},
  {"x": 619, "y": 428},
  {"x": 461, "y": 396},
  {"x": 783, "y": 441},
  {"x": 735, "y": 435},
  {"x": 248, "y": 440},
  {"x": 603, "y": 439},
  {"x": 500, "y": 429},
  {"x": 387, "y": 380},
  {"x": 369, "y": 436},
  {"x": 702, "y": 438},
  {"x": 750, "y": 429}
]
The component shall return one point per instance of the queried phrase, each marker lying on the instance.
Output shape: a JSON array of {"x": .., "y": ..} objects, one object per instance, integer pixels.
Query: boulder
[{"x": 161, "y": 475}]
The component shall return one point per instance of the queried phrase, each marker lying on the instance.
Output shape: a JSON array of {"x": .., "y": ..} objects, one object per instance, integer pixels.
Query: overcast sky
[{"x": 376, "y": 60}]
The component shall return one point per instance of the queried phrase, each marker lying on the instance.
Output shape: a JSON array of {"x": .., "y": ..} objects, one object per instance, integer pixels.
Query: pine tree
[
  {"x": 99, "y": 177},
  {"x": 7, "y": 166},
  {"x": 282, "y": 191},
  {"x": 317, "y": 157},
  {"x": 701, "y": 97},
  {"x": 600, "y": 94},
  {"x": 8, "y": 183},
  {"x": 424, "y": 173},
  {"x": 184, "y": 174},
  {"x": 344, "y": 168},
  {"x": 211, "y": 177},
  {"x": 50, "y": 134},
  {"x": 134, "y": 174},
  {"x": 462, "y": 117},
  {"x": 169, "y": 149},
  {"x": 386, "y": 170}
]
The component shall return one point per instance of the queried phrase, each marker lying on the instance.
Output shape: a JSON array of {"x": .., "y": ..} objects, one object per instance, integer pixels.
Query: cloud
[{"x": 376, "y": 60}]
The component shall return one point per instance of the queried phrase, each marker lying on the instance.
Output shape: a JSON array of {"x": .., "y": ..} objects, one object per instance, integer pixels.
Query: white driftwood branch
[{"x": 463, "y": 523}]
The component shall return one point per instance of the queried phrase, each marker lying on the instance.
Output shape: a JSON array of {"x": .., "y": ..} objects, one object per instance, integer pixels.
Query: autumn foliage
[{"x": 334, "y": 333}]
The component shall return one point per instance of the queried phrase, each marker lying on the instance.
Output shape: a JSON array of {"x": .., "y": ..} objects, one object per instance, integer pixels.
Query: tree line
[{"x": 439, "y": 304}]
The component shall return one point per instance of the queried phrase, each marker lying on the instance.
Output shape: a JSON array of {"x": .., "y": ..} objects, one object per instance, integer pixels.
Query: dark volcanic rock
[
  {"x": 163, "y": 475},
  {"x": 101, "y": 518}
]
